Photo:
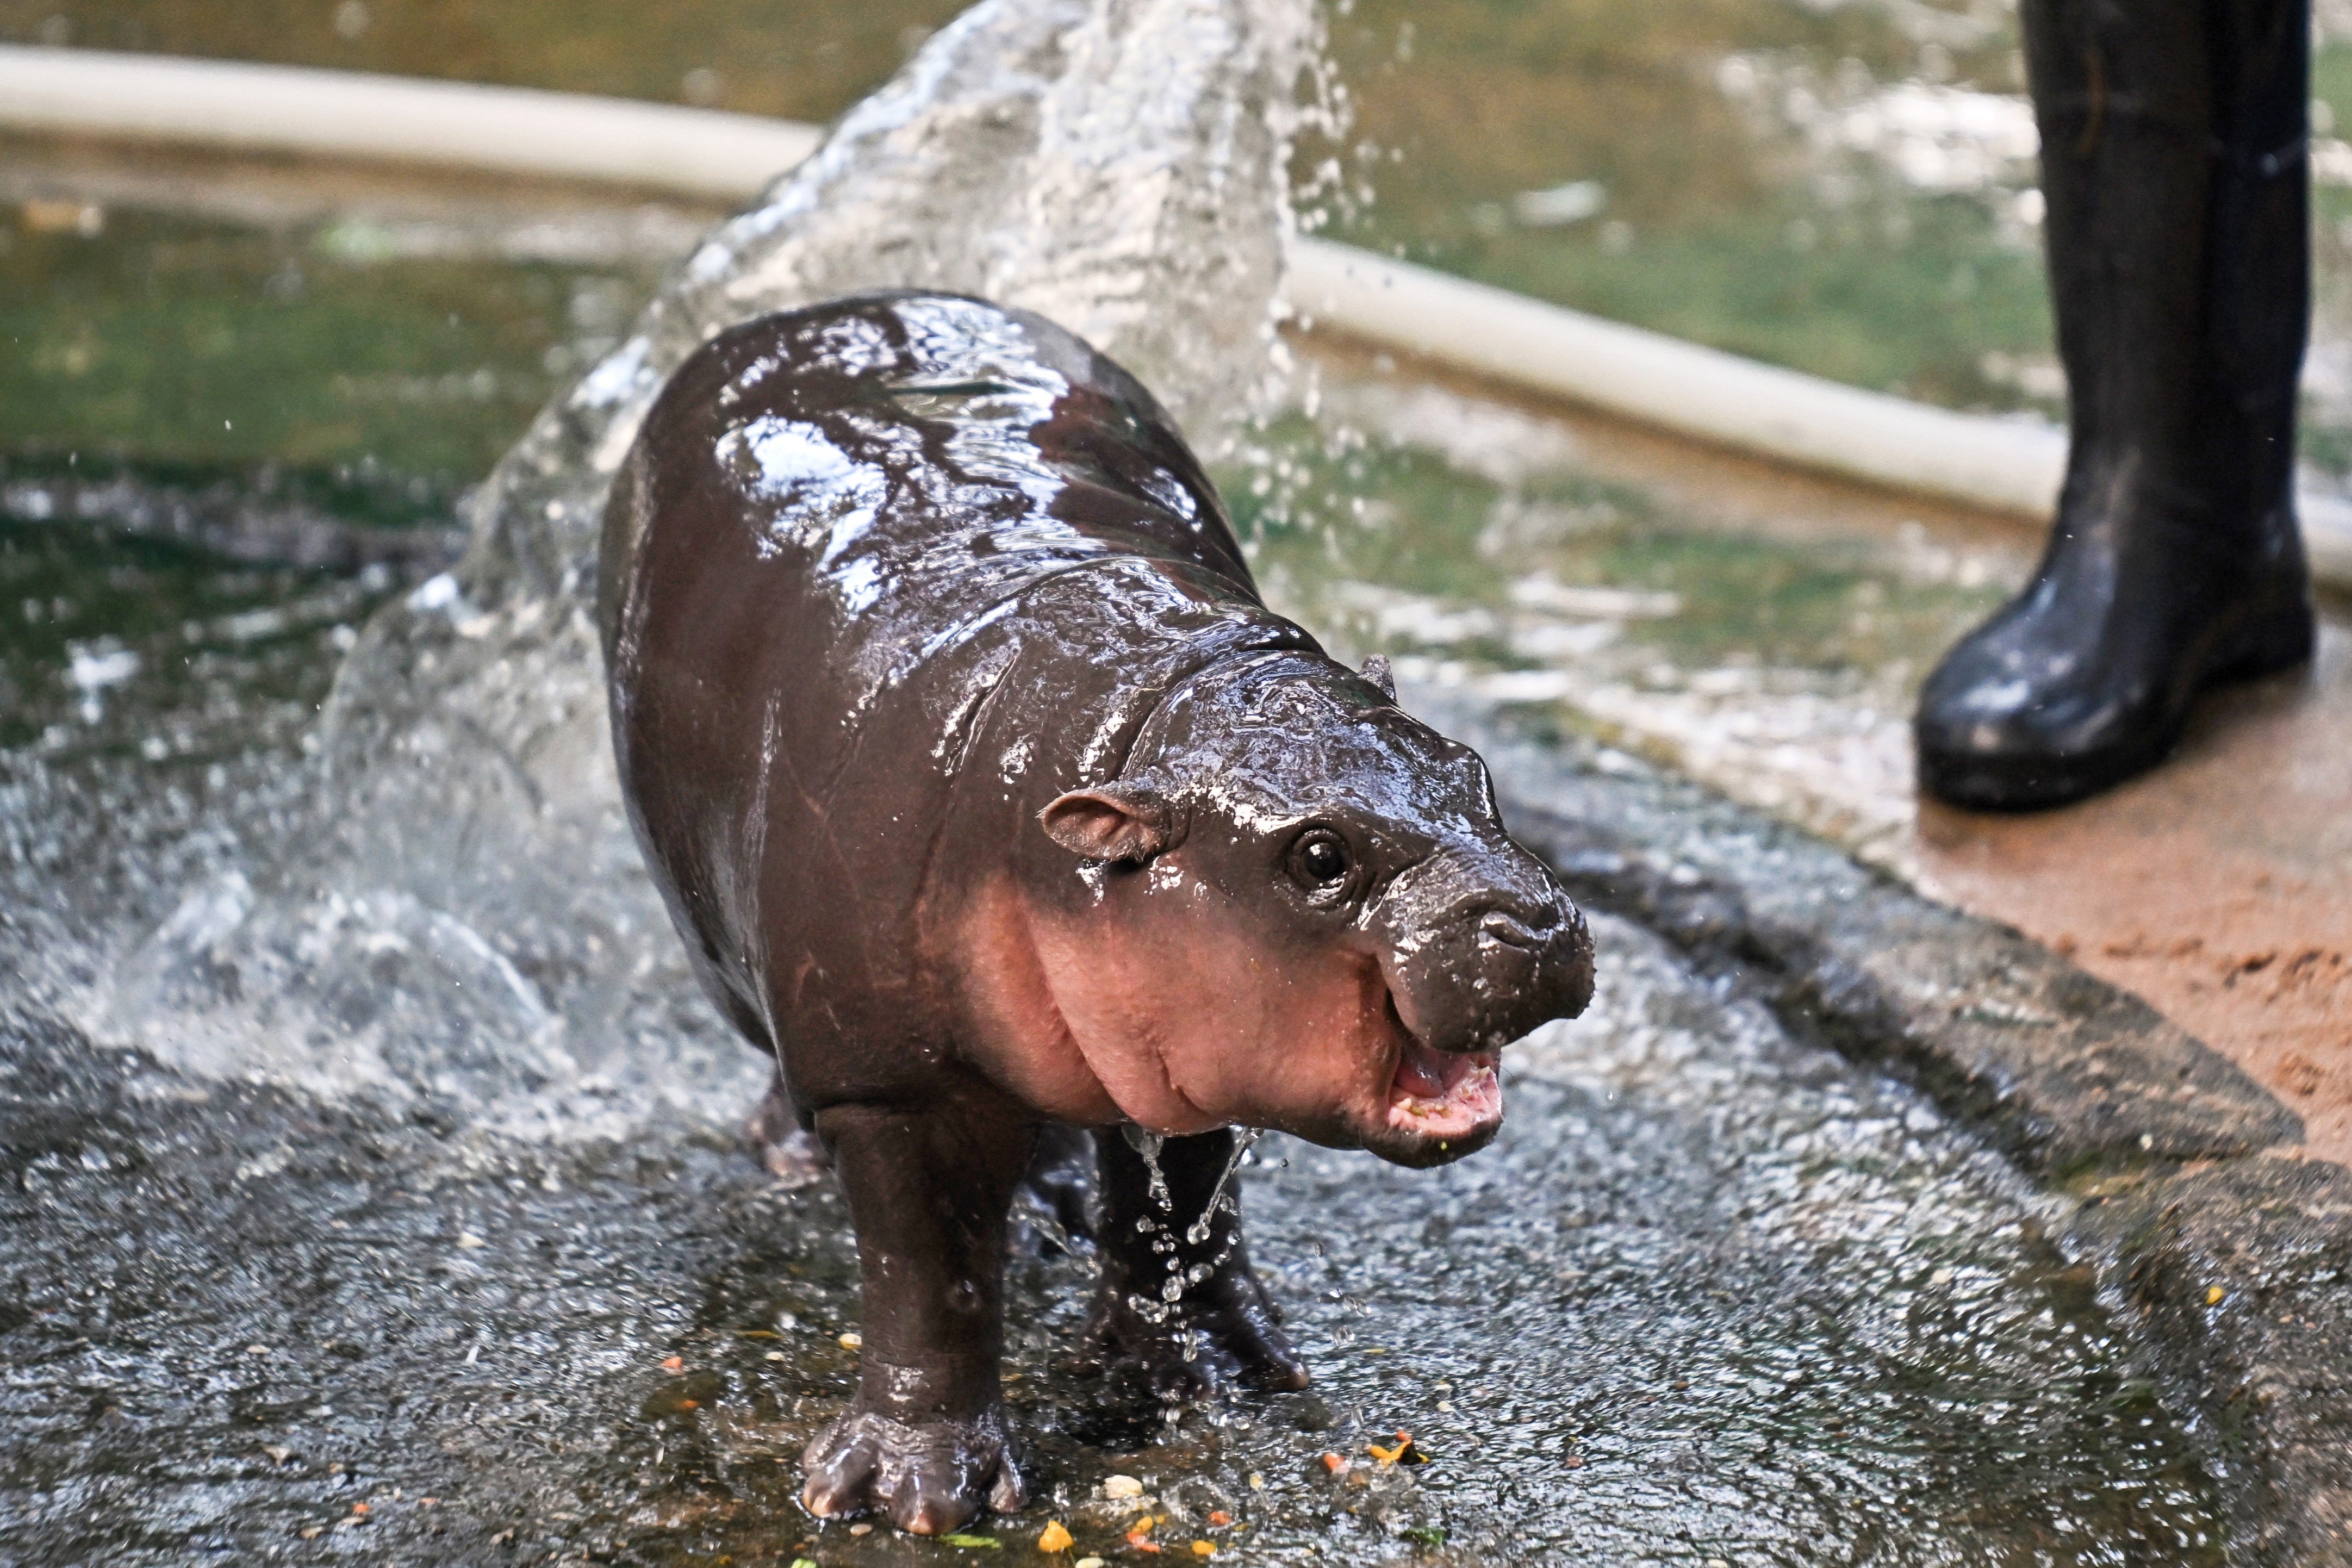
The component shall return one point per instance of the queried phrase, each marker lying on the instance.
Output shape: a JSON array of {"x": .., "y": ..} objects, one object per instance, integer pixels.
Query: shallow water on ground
[{"x": 1714, "y": 1296}]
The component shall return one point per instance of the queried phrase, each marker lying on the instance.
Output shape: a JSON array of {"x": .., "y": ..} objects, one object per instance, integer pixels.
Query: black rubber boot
[{"x": 2172, "y": 156}]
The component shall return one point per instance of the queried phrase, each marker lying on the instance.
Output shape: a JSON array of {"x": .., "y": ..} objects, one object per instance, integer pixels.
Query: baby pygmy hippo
[{"x": 989, "y": 798}]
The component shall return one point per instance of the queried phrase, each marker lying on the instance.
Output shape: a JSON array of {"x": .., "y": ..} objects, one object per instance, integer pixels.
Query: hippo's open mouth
[{"x": 1444, "y": 1094}]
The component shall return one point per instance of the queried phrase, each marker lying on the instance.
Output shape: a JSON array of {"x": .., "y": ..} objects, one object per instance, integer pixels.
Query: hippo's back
[
  {"x": 843, "y": 536},
  {"x": 896, "y": 456}
]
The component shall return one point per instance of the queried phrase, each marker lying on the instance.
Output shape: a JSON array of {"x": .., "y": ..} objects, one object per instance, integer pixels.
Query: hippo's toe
[{"x": 931, "y": 1478}]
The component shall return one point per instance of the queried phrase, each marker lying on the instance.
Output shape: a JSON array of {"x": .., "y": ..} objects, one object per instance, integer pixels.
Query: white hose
[
  {"x": 348, "y": 114},
  {"x": 2006, "y": 465},
  {"x": 2011, "y": 465}
]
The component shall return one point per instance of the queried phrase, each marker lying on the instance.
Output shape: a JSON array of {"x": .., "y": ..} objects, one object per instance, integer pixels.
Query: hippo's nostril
[{"x": 1506, "y": 927}]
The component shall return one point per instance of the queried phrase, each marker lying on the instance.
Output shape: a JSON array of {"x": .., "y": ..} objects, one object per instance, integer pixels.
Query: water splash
[
  {"x": 1244, "y": 1139},
  {"x": 465, "y": 916},
  {"x": 1147, "y": 1146},
  {"x": 1161, "y": 1227}
]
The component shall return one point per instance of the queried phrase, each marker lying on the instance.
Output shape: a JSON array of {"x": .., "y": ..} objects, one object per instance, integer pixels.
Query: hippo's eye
[{"x": 1319, "y": 861}]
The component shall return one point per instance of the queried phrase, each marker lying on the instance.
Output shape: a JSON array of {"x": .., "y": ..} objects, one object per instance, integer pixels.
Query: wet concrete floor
[{"x": 1715, "y": 1297}]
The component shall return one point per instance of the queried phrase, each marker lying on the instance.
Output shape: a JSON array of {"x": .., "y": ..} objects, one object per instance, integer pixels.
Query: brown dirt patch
[{"x": 2218, "y": 887}]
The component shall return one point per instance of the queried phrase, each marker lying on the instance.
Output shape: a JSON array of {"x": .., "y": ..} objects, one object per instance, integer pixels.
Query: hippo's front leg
[
  {"x": 924, "y": 1439},
  {"x": 1221, "y": 1327}
]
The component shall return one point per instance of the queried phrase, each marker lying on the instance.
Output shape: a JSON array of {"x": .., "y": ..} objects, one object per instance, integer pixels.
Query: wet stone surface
[
  {"x": 1713, "y": 1295},
  {"x": 2063, "y": 1073},
  {"x": 2238, "y": 1272}
]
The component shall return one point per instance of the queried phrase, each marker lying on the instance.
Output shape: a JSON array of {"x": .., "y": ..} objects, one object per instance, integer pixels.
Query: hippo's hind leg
[
  {"x": 1061, "y": 1187},
  {"x": 1222, "y": 1327},
  {"x": 924, "y": 1439},
  {"x": 792, "y": 1153}
]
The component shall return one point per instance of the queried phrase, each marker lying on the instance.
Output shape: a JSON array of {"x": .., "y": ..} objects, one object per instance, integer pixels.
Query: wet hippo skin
[{"x": 989, "y": 796}]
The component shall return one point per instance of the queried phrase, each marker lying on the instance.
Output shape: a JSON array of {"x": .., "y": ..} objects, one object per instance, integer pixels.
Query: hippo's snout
[
  {"x": 1495, "y": 970},
  {"x": 1533, "y": 969}
]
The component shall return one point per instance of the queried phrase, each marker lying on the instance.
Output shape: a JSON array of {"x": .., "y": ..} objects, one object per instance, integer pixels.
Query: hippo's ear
[
  {"x": 1119, "y": 821},
  {"x": 1377, "y": 671}
]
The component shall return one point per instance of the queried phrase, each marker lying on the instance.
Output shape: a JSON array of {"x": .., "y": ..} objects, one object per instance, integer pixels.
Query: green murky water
[
  {"x": 318, "y": 346},
  {"x": 1841, "y": 187}
]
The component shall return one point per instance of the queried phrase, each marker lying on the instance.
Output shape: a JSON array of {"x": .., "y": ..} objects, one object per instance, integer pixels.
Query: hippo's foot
[
  {"x": 930, "y": 1476},
  {"x": 1226, "y": 1333},
  {"x": 793, "y": 1154}
]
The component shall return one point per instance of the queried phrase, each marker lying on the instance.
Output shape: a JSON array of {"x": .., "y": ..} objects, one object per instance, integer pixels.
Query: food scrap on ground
[
  {"x": 1055, "y": 1537},
  {"x": 673, "y": 1364},
  {"x": 853, "y": 1341},
  {"x": 1121, "y": 1487},
  {"x": 1334, "y": 1463}
]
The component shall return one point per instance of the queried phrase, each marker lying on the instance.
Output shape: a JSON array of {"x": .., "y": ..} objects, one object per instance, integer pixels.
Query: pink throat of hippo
[{"x": 1444, "y": 1094}]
